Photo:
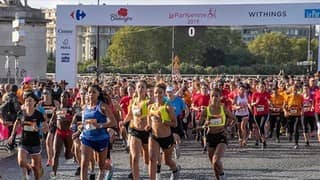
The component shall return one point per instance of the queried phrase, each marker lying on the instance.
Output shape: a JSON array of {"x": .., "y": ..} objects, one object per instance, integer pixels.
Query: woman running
[
  {"x": 217, "y": 118},
  {"x": 62, "y": 117},
  {"x": 276, "y": 113},
  {"x": 260, "y": 103},
  {"x": 161, "y": 117},
  {"x": 30, "y": 121},
  {"x": 49, "y": 105},
  {"x": 137, "y": 115},
  {"x": 308, "y": 117},
  {"x": 240, "y": 105},
  {"x": 293, "y": 110},
  {"x": 77, "y": 122},
  {"x": 97, "y": 117}
]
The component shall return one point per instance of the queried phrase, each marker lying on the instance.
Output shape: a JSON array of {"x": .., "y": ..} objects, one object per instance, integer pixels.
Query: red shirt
[
  {"x": 200, "y": 100},
  {"x": 313, "y": 90},
  {"x": 262, "y": 107},
  {"x": 307, "y": 104},
  {"x": 124, "y": 103},
  {"x": 317, "y": 101}
]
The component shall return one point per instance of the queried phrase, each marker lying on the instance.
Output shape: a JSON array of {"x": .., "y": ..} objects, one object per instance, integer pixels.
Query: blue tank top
[{"x": 94, "y": 134}]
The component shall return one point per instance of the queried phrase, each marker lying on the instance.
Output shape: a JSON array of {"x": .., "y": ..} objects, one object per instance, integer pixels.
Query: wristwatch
[{"x": 100, "y": 126}]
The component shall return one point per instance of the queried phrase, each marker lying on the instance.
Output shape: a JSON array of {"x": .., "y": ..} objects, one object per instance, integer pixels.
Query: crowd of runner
[{"x": 151, "y": 117}]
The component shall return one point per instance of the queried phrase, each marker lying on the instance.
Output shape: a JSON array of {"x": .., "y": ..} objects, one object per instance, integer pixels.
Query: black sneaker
[
  {"x": 257, "y": 143},
  {"x": 277, "y": 140},
  {"x": 130, "y": 176},
  {"x": 307, "y": 144},
  {"x": 296, "y": 146},
  {"x": 92, "y": 176},
  {"x": 264, "y": 145},
  {"x": 204, "y": 150},
  {"x": 77, "y": 173}
]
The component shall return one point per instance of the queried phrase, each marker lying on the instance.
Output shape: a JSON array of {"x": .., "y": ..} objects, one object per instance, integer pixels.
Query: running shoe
[
  {"x": 307, "y": 144},
  {"x": 264, "y": 145},
  {"x": 175, "y": 175},
  {"x": 130, "y": 176},
  {"x": 29, "y": 174},
  {"x": 296, "y": 146},
  {"x": 109, "y": 174},
  {"x": 92, "y": 176},
  {"x": 222, "y": 177},
  {"x": 158, "y": 176},
  {"x": 77, "y": 173},
  {"x": 49, "y": 163}
]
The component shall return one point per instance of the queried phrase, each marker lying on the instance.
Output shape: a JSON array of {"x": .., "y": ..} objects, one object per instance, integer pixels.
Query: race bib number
[
  {"x": 306, "y": 108},
  {"x": 293, "y": 110},
  {"x": 28, "y": 128},
  {"x": 277, "y": 109},
  {"x": 215, "y": 121},
  {"x": 89, "y": 127},
  {"x": 136, "y": 111},
  {"x": 260, "y": 108},
  {"x": 49, "y": 111}
]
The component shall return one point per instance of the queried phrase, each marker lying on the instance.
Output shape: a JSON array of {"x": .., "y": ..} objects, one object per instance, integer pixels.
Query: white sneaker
[{"x": 158, "y": 176}]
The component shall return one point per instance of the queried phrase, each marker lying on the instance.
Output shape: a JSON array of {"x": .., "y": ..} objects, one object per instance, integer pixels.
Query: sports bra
[
  {"x": 165, "y": 117},
  {"x": 216, "y": 120},
  {"x": 140, "y": 111}
]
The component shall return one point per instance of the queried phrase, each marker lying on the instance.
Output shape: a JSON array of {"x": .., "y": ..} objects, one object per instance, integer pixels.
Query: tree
[
  {"x": 274, "y": 48},
  {"x": 299, "y": 49},
  {"x": 213, "y": 57},
  {"x": 128, "y": 46}
]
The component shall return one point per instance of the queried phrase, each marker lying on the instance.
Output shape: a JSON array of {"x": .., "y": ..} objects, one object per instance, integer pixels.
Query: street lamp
[{"x": 98, "y": 50}]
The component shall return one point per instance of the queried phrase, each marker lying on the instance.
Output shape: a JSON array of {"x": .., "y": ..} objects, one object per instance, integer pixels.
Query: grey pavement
[{"x": 277, "y": 161}]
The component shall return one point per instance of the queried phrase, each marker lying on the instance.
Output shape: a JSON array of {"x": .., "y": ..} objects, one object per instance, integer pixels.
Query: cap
[
  {"x": 26, "y": 80},
  {"x": 169, "y": 89}
]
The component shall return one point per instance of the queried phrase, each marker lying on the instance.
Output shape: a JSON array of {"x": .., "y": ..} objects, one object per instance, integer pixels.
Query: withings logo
[{"x": 257, "y": 14}]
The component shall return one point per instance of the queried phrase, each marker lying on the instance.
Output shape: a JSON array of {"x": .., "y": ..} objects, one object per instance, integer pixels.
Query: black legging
[
  {"x": 294, "y": 123},
  {"x": 308, "y": 120},
  {"x": 261, "y": 122},
  {"x": 275, "y": 122}
]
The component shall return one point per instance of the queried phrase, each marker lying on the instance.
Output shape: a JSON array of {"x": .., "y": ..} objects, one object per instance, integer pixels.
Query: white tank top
[{"x": 242, "y": 101}]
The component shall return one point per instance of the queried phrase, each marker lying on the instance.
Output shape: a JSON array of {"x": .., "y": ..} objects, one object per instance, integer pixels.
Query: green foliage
[
  {"x": 83, "y": 66},
  {"x": 272, "y": 47}
]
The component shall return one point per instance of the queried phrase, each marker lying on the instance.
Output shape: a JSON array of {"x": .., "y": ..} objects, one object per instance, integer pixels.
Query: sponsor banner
[
  {"x": 66, "y": 68},
  {"x": 193, "y": 15},
  {"x": 70, "y": 16}
]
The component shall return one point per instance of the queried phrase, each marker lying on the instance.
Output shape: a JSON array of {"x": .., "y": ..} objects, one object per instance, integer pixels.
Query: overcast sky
[{"x": 53, "y": 3}]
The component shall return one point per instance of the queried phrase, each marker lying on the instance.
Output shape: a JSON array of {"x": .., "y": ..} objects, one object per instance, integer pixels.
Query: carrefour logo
[
  {"x": 312, "y": 13},
  {"x": 78, "y": 14}
]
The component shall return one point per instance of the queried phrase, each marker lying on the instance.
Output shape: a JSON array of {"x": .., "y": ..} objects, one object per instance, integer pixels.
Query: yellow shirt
[
  {"x": 277, "y": 101},
  {"x": 294, "y": 104}
]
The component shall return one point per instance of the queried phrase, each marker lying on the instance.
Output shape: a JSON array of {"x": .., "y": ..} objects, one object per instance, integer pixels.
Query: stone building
[{"x": 34, "y": 63}]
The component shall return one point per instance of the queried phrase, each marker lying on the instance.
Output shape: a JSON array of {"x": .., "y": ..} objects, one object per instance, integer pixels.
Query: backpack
[{"x": 7, "y": 109}]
